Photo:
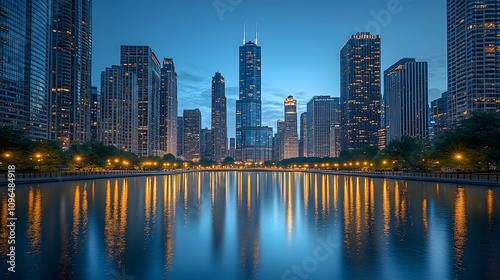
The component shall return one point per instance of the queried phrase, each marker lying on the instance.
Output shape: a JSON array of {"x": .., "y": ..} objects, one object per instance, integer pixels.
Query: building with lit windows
[
  {"x": 406, "y": 100},
  {"x": 219, "y": 118},
  {"x": 24, "y": 33},
  {"x": 439, "y": 108},
  {"x": 95, "y": 112},
  {"x": 320, "y": 140},
  {"x": 141, "y": 61},
  {"x": 70, "y": 53},
  {"x": 360, "y": 91},
  {"x": 303, "y": 135},
  {"x": 473, "y": 58},
  {"x": 168, "y": 107},
  {"x": 192, "y": 137},
  {"x": 290, "y": 135},
  {"x": 180, "y": 136}
]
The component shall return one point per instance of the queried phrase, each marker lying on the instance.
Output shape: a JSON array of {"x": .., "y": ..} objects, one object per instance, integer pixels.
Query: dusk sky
[{"x": 301, "y": 42}]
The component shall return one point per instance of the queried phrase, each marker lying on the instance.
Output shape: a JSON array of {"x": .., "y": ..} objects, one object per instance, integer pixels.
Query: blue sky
[{"x": 300, "y": 39}]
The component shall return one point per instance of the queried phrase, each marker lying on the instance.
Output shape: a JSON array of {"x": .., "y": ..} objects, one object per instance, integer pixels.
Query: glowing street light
[
  {"x": 458, "y": 156},
  {"x": 7, "y": 155}
]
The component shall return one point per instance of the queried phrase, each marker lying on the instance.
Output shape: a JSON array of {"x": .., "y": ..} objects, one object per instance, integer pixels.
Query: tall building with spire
[
  {"x": 253, "y": 141},
  {"x": 290, "y": 137},
  {"x": 219, "y": 118},
  {"x": 473, "y": 58},
  {"x": 70, "y": 51}
]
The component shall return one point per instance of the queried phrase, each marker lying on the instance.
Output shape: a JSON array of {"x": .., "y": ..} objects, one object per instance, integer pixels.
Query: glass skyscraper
[
  {"x": 406, "y": 99},
  {"x": 253, "y": 142},
  {"x": 168, "y": 108},
  {"x": 24, "y": 38},
  {"x": 95, "y": 112},
  {"x": 290, "y": 137},
  {"x": 192, "y": 134},
  {"x": 70, "y": 51},
  {"x": 320, "y": 140},
  {"x": 473, "y": 58},
  {"x": 360, "y": 91},
  {"x": 219, "y": 118}
]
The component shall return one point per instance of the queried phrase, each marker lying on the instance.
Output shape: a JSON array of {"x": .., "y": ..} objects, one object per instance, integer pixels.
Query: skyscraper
[
  {"x": 192, "y": 131},
  {"x": 219, "y": 118},
  {"x": 23, "y": 65},
  {"x": 473, "y": 58},
  {"x": 406, "y": 99},
  {"x": 278, "y": 141},
  {"x": 290, "y": 138},
  {"x": 360, "y": 91},
  {"x": 303, "y": 135},
  {"x": 206, "y": 146},
  {"x": 180, "y": 136},
  {"x": 319, "y": 124},
  {"x": 141, "y": 61},
  {"x": 70, "y": 51},
  {"x": 168, "y": 108},
  {"x": 253, "y": 142},
  {"x": 95, "y": 112},
  {"x": 439, "y": 109},
  {"x": 119, "y": 125}
]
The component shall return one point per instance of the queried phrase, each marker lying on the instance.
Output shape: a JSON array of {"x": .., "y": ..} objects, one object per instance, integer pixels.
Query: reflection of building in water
[
  {"x": 248, "y": 224},
  {"x": 115, "y": 219},
  {"x": 150, "y": 194},
  {"x": 489, "y": 209},
  {"x": 170, "y": 194},
  {"x": 34, "y": 231},
  {"x": 4, "y": 231},
  {"x": 459, "y": 228},
  {"x": 80, "y": 214},
  {"x": 218, "y": 194}
]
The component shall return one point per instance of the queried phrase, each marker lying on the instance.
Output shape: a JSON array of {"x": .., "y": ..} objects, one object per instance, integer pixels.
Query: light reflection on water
[{"x": 233, "y": 225}]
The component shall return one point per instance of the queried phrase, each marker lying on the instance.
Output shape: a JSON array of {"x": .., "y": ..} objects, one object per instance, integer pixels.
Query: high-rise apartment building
[
  {"x": 439, "y": 108},
  {"x": 141, "y": 61},
  {"x": 180, "y": 136},
  {"x": 253, "y": 142},
  {"x": 406, "y": 99},
  {"x": 360, "y": 88},
  {"x": 473, "y": 58},
  {"x": 70, "y": 52},
  {"x": 320, "y": 120},
  {"x": 290, "y": 137},
  {"x": 118, "y": 125},
  {"x": 24, "y": 33},
  {"x": 168, "y": 107},
  {"x": 192, "y": 131},
  {"x": 95, "y": 112},
  {"x": 303, "y": 135},
  {"x": 232, "y": 147},
  {"x": 206, "y": 148},
  {"x": 219, "y": 118},
  {"x": 279, "y": 141}
]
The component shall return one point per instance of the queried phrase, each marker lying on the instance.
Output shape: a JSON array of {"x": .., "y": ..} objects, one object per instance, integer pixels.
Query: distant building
[
  {"x": 279, "y": 141},
  {"x": 439, "y": 109},
  {"x": 180, "y": 136},
  {"x": 473, "y": 58},
  {"x": 118, "y": 125},
  {"x": 168, "y": 108},
  {"x": 95, "y": 112},
  {"x": 141, "y": 61},
  {"x": 360, "y": 91},
  {"x": 219, "y": 118},
  {"x": 24, "y": 39},
  {"x": 290, "y": 135},
  {"x": 232, "y": 147},
  {"x": 70, "y": 65},
  {"x": 206, "y": 148},
  {"x": 192, "y": 131},
  {"x": 406, "y": 100},
  {"x": 320, "y": 120},
  {"x": 303, "y": 135}
]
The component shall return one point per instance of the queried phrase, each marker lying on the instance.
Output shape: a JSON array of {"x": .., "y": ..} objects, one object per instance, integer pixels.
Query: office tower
[
  {"x": 23, "y": 66},
  {"x": 279, "y": 141},
  {"x": 206, "y": 148},
  {"x": 141, "y": 61},
  {"x": 335, "y": 129},
  {"x": 192, "y": 130},
  {"x": 232, "y": 147},
  {"x": 95, "y": 112},
  {"x": 180, "y": 136},
  {"x": 473, "y": 58},
  {"x": 303, "y": 135},
  {"x": 219, "y": 118},
  {"x": 168, "y": 107},
  {"x": 406, "y": 101},
  {"x": 70, "y": 51},
  {"x": 320, "y": 120},
  {"x": 290, "y": 137},
  {"x": 253, "y": 142},
  {"x": 119, "y": 96},
  {"x": 439, "y": 108},
  {"x": 360, "y": 91}
]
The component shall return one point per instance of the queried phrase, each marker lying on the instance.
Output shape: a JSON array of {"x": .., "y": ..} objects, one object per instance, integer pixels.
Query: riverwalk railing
[
  {"x": 65, "y": 174},
  {"x": 495, "y": 177}
]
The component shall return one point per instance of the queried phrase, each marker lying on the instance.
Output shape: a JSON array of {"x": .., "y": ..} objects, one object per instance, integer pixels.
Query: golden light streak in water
[
  {"x": 459, "y": 228},
  {"x": 324, "y": 197},
  {"x": 358, "y": 214},
  {"x": 404, "y": 193},
  {"x": 397, "y": 200},
  {"x": 85, "y": 209},
  {"x": 115, "y": 220},
  {"x": 4, "y": 231},
  {"x": 372, "y": 201},
  {"x": 240, "y": 191},
  {"x": 335, "y": 194},
  {"x": 76, "y": 215},
  {"x": 347, "y": 214},
  {"x": 169, "y": 206},
  {"x": 425, "y": 222},
  {"x": 147, "y": 207},
  {"x": 386, "y": 207},
  {"x": 366, "y": 203},
  {"x": 490, "y": 208},
  {"x": 34, "y": 231},
  {"x": 153, "y": 208},
  {"x": 289, "y": 211},
  {"x": 249, "y": 193},
  {"x": 307, "y": 179},
  {"x": 316, "y": 214}
]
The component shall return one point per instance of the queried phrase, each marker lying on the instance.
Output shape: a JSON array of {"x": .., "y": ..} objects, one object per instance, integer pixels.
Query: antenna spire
[
  {"x": 256, "y": 34},
  {"x": 244, "y": 32}
]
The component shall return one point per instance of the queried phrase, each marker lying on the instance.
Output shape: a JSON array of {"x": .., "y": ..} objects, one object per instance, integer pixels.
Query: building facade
[
  {"x": 118, "y": 125},
  {"x": 360, "y": 91},
  {"x": 303, "y": 135},
  {"x": 406, "y": 100},
  {"x": 439, "y": 108},
  {"x": 473, "y": 58},
  {"x": 95, "y": 112},
  {"x": 168, "y": 108},
  {"x": 219, "y": 118},
  {"x": 290, "y": 135},
  {"x": 192, "y": 131},
  {"x": 320, "y": 121},
  {"x": 180, "y": 136},
  {"x": 143, "y": 63},
  {"x": 206, "y": 148},
  {"x": 253, "y": 142}
]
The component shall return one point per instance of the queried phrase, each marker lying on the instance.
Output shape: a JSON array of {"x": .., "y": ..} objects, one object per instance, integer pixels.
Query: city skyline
[{"x": 322, "y": 42}]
